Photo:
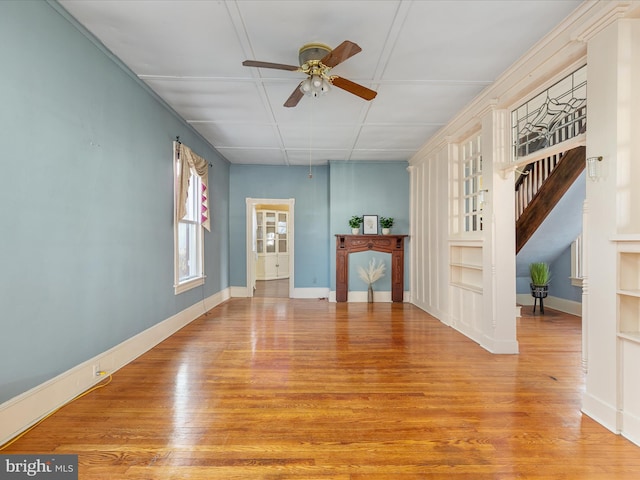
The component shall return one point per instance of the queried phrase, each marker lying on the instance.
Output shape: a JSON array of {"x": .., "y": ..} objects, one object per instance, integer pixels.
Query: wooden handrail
[{"x": 548, "y": 193}]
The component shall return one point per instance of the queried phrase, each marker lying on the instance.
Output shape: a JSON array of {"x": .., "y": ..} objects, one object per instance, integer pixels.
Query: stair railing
[{"x": 531, "y": 179}]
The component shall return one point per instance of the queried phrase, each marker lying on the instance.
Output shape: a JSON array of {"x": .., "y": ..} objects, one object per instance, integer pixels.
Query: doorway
[{"x": 270, "y": 247}]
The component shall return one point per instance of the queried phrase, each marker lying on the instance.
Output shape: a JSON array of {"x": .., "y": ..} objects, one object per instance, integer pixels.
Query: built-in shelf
[
  {"x": 465, "y": 265},
  {"x": 628, "y": 292},
  {"x": 631, "y": 337}
]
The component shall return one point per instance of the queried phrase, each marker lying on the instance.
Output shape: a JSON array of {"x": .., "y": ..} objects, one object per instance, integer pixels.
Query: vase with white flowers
[{"x": 373, "y": 273}]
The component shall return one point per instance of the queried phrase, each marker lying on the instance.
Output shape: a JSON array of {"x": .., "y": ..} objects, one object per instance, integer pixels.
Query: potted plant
[
  {"x": 354, "y": 223},
  {"x": 386, "y": 223},
  {"x": 540, "y": 277}
]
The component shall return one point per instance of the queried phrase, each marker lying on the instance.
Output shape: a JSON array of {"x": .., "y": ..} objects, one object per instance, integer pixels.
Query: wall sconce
[{"x": 594, "y": 168}]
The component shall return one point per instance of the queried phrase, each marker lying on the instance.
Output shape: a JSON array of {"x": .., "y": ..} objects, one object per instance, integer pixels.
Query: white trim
[
  {"x": 601, "y": 412},
  {"x": 320, "y": 293},
  {"x": 250, "y": 267},
  {"x": 631, "y": 427},
  {"x": 576, "y": 282},
  {"x": 189, "y": 284},
  {"x": 577, "y": 141},
  {"x": 359, "y": 296},
  {"x": 499, "y": 347},
  {"x": 239, "y": 292},
  {"x": 562, "y": 305},
  {"x": 21, "y": 412}
]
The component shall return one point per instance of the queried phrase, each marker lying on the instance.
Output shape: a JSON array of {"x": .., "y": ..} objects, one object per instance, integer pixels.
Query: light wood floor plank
[{"x": 269, "y": 388}]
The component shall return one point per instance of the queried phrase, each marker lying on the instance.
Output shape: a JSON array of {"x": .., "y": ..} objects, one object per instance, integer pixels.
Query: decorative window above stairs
[{"x": 554, "y": 116}]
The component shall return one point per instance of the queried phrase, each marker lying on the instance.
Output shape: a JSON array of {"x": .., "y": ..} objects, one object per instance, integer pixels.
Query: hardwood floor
[
  {"x": 306, "y": 389},
  {"x": 272, "y": 288}
]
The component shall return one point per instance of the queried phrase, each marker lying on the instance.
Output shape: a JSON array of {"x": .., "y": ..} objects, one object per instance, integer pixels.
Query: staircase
[{"x": 539, "y": 188}]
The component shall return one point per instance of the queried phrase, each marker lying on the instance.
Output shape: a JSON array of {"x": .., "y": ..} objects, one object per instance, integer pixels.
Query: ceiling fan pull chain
[{"x": 310, "y": 136}]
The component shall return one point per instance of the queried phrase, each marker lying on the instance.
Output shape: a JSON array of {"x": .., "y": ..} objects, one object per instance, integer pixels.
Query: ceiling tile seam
[
  {"x": 239, "y": 25},
  {"x": 279, "y": 80},
  {"x": 383, "y": 59},
  {"x": 397, "y": 24},
  {"x": 231, "y": 147},
  {"x": 296, "y": 124},
  {"x": 385, "y": 149},
  {"x": 235, "y": 16},
  {"x": 196, "y": 78},
  {"x": 233, "y": 122}
]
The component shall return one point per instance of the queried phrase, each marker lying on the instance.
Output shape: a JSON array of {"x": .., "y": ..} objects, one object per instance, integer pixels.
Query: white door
[
  {"x": 272, "y": 245},
  {"x": 256, "y": 240}
]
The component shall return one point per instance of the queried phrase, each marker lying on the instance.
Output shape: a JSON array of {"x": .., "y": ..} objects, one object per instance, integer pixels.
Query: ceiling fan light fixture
[
  {"x": 314, "y": 86},
  {"x": 316, "y": 61},
  {"x": 306, "y": 86}
]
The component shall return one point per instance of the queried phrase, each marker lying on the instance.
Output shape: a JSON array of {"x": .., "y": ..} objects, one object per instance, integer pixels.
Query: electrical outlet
[{"x": 96, "y": 370}]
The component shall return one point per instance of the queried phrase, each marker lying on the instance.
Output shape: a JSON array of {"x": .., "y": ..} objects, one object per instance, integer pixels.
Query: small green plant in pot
[
  {"x": 540, "y": 277},
  {"x": 540, "y": 274},
  {"x": 354, "y": 223},
  {"x": 386, "y": 223}
]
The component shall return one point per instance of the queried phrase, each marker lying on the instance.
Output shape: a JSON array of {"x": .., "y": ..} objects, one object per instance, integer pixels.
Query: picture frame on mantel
[{"x": 370, "y": 224}]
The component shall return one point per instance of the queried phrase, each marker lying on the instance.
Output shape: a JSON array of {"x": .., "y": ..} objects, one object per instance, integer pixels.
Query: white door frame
[{"x": 250, "y": 209}]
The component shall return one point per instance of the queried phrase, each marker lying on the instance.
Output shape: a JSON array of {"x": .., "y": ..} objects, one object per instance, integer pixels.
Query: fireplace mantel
[{"x": 393, "y": 244}]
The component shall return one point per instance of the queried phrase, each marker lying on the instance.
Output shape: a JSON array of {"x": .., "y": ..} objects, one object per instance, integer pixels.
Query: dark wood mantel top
[{"x": 360, "y": 243}]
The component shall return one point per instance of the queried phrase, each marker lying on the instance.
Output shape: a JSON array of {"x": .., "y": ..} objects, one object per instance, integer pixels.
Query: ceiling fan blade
[
  {"x": 277, "y": 66},
  {"x": 353, "y": 87},
  {"x": 345, "y": 50},
  {"x": 294, "y": 98}
]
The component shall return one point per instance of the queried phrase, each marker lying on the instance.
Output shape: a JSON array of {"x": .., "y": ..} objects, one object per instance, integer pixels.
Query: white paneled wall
[
  {"x": 429, "y": 227},
  {"x": 607, "y": 34},
  {"x": 455, "y": 277}
]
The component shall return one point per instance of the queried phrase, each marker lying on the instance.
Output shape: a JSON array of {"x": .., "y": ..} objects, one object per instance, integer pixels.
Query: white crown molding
[
  {"x": 562, "y": 49},
  {"x": 609, "y": 13}
]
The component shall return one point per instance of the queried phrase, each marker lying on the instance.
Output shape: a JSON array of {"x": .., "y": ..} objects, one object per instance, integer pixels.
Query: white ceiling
[{"x": 426, "y": 59}]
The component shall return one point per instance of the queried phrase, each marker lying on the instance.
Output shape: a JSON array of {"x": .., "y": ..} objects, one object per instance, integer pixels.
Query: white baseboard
[
  {"x": 310, "y": 293},
  {"x": 239, "y": 291},
  {"x": 354, "y": 296},
  {"x": 500, "y": 347},
  {"x": 601, "y": 412},
  {"x": 567, "y": 306},
  {"x": 631, "y": 427},
  {"x": 21, "y": 412}
]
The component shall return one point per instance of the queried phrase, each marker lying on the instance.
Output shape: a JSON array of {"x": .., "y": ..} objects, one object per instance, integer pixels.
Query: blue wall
[
  {"x": 86, "y": 201},
  {"x": 323, "y": 206},
  {"x": 560, "y": 285},
  {"x": 363, "y": 188},
  {"x": 311, "y": 218}
]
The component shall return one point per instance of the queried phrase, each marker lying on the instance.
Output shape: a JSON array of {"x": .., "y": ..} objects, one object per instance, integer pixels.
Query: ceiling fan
[{"x": 316, "y": 60}]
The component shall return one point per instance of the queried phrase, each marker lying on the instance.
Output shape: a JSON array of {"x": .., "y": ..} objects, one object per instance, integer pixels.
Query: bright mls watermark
[{"x": 49, "y": 467}]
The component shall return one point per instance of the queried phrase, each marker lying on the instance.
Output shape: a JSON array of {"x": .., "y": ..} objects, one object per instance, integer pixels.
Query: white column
[
  {"x": 613, "y": 123},
  {"x": 499, "y": 262}
]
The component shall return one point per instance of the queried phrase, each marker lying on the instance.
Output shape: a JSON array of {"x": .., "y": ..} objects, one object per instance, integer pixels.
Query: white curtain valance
[{"x": 190, "y": 161}]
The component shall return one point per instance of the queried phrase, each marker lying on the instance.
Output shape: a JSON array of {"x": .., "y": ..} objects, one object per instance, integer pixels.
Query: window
[
  {"x": 555, "y": 115},
  {"x": 471, "y": 195},
  {"x": 188, "y": 234},
  {"x": 576, "y": 262}
]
